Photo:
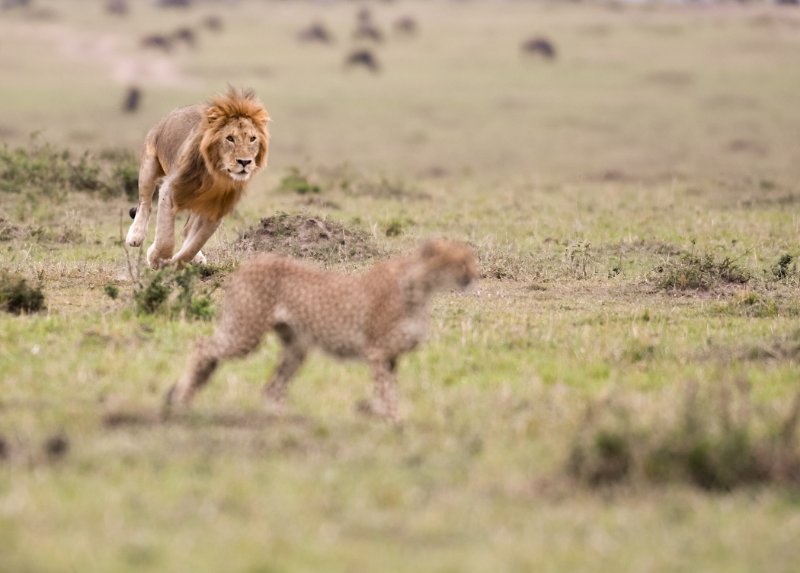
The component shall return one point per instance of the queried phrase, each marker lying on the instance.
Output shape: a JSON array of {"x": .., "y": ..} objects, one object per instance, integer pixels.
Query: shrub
[
  {"x": 698, "y": 272},
  {"x": 782, "y": 269},
  {"x": 174, "y": 293},
  {"x": 16, "y": 296},
  {"x": 297, "y": 182},
  {"x": 705, "y": 445},
  {"x": 43, "y": 168}
]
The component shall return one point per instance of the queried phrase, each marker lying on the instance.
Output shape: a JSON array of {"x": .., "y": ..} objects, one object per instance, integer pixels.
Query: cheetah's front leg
[{"x": 384, "y": 401}]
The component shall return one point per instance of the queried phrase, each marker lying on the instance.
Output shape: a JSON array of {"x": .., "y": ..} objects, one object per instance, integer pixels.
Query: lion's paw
[
  {"x": 199, "y": 259},
  {"x": 135, "y": 237}
]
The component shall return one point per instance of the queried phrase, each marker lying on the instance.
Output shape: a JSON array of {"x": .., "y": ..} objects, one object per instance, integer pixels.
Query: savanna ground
[{"x": 634, "y": 205}]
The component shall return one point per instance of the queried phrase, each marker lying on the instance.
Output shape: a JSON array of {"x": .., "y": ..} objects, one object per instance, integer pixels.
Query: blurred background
[{"x": 571, "y": 91}]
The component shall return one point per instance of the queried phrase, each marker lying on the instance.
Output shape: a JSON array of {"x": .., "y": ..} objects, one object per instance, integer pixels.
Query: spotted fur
[{"x": 374, "y": 316}]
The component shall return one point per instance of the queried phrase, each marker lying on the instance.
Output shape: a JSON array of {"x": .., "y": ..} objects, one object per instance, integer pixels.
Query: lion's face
[{"x": 240, "y": 146}]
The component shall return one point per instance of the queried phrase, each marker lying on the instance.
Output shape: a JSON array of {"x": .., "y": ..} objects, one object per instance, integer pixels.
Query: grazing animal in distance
[
  {"x": 186, "y": 35},
  {"x": 118, "y": 7},
  {"x": 375, "y": 316},
  {"x": 158, "y": 41},
  {"x": 315, "y": 32},
  {"x": 174, "y": 3},
  {"x": 203, "y": 156},
  {"x": 406, "y": 25},
  {"x": 539, "y": 46},
  {"x": 132, "y": 99},
  {"x": 363, "y": 58},
  {"x": 368, "y": 32},
  {"x": 213, "y": 23}
]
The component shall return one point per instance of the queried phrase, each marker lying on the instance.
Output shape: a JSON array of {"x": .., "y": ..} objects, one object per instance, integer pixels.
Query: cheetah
[{"x": 374, "y": 316}]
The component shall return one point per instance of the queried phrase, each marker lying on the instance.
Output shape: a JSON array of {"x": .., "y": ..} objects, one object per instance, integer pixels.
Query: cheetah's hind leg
[{"x": 226, "y": 342}]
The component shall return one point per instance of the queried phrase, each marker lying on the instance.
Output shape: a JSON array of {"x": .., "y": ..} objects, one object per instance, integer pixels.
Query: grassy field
[{"x": 631, "y": 203}]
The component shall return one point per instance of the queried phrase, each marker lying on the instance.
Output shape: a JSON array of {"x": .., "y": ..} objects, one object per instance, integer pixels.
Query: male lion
[
  {"x": 374, "y": 316},
  {"x": 205, "y": 154}
]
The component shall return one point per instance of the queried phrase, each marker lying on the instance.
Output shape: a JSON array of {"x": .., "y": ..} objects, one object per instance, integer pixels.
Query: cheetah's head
[{"x": 449, "y": 263}]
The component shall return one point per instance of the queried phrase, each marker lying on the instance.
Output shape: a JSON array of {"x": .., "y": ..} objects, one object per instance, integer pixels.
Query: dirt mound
[{"x": 309, "y": 237}]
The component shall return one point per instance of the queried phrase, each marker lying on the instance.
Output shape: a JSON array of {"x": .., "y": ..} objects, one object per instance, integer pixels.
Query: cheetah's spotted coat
[{"x": 373, "y": 316}]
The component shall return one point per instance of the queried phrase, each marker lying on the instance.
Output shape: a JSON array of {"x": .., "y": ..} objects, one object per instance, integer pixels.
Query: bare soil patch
[{"x": 309, "y": 237}]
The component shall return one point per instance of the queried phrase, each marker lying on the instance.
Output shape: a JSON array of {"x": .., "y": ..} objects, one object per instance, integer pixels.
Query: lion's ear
[{"x": 213, "y": 114}]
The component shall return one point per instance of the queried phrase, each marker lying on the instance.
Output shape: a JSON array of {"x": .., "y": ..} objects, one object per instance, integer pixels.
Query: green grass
[{"x": 660, "y": 144}]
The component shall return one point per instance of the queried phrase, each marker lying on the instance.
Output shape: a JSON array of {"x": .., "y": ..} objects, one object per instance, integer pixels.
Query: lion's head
[{"x": 235, "y": 141}]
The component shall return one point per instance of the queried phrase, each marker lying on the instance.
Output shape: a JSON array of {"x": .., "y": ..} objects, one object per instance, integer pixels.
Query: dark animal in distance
[
  {"x": 539, "y": 46},
  {"x": 174, "y": 3},
  {"x": 132, "y": 100},
  {"x": 213, "y": 23},
  {"x": 315, "y": 32},
  {"x": 364, "y": 16},
  {"x": 9, "y": 4},
  {"x": 158, "y": 41},
  {"x": 363, "y": 58},
  {"x": 185, "y": 35},
  {"x": 368, "y": 32},
  {"x": 118, "y": 7},
  {"x": 406, "y": 26}
]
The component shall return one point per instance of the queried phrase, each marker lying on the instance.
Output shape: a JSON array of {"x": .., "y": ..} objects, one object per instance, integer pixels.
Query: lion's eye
[
  {"x": 229, "y": 138},
  {"x": 252, "y": 139}
]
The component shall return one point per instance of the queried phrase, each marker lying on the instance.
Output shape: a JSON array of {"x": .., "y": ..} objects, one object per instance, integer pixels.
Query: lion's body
[
  {"x": 374, "y": 316},
  {"x": 203, "y": 156}
]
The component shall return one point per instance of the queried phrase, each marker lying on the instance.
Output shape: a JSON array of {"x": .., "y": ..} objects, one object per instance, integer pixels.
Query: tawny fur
[
  {"x": 374, "y": 316},
  {"x": 203, "y": 157}
]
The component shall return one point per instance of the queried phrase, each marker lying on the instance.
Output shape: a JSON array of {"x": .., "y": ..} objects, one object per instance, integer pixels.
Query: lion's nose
[{"x": 244, "y": 162}]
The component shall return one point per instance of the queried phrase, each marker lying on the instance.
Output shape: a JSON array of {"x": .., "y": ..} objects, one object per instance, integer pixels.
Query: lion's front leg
[
  {"x": 199, "y": 231},
  {"x": 160, "y": 251},
  {"x": 149, "y": 172}
]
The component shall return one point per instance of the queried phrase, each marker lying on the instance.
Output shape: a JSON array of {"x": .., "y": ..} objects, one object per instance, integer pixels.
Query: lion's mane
[{"x": 199, "y": 185}]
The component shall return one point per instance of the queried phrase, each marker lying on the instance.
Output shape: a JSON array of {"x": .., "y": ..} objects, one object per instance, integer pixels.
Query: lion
[
  {"x": 375, "y": 316},
  {"x": 203, "y": 156}
]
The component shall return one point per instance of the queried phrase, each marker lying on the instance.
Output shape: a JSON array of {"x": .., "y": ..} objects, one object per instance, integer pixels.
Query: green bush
[
  {"x": 175, "y": 293},
  {"x": 44, "y": 169},
  {"x": 297, "y": 182},
  {"x": 16, "y": 296},
  {"x": 698, "y": 272},
  {"x": 705, "y": 445}
]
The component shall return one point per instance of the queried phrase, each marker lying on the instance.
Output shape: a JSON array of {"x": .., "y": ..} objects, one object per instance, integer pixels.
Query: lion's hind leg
[{"x": 149, "y": 173}]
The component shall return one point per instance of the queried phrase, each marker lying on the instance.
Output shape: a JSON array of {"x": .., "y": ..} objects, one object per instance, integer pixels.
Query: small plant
[
  {"x": 125, "y": 177},
  {"x": 579, "y": 255},
  {"x": 16, "y": 296},
  {"x": 782, "y": 269},
  {"x": 173, "y": 292},
  {"x": 297, "y": 182},
  {"x": 698, "y": 272},
  {"x": 397, "y": 226},
  {"x": 111, "y": 291}
]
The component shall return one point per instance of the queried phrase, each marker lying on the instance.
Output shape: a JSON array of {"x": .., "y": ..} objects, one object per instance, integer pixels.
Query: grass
[{"x": 661, "y": 138}]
